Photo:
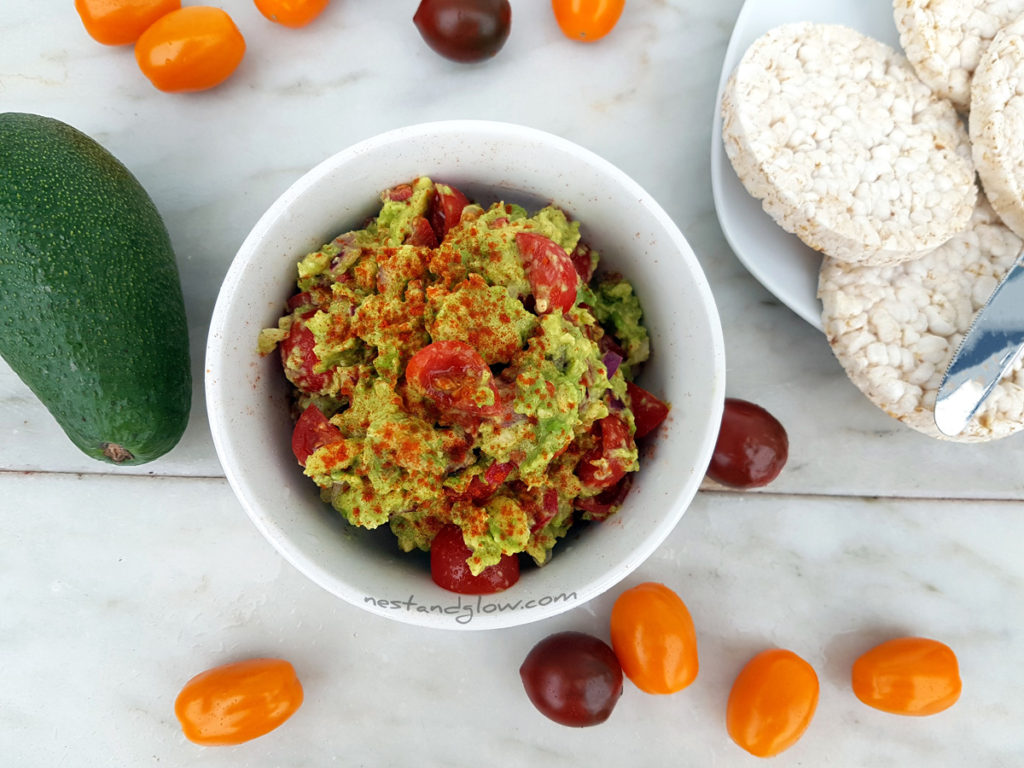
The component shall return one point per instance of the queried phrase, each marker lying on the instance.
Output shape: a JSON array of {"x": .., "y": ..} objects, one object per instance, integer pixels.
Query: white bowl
[{"x": 247, "y": 396}]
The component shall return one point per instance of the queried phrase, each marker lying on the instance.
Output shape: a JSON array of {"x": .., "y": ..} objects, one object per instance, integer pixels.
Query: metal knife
[{"x": 994, "y": 342}]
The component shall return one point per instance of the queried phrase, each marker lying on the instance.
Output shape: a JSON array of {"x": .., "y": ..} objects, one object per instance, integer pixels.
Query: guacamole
[{"x": 455, "y": 364}]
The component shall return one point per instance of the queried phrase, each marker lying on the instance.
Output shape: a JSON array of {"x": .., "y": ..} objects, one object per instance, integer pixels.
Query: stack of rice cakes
[{"x": 859, "y": 151}]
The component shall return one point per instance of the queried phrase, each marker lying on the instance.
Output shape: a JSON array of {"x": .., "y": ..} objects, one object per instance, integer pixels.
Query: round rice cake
[
  {"x": 997, "y": 124},
  {"x": 945, "y": 39},
  {"x": 844, "y": 145},
  {"x": 895, "y": 329}
]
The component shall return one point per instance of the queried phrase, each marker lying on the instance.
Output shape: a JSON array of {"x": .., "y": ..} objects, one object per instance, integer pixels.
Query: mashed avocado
[{"x": 456, "y": 364}]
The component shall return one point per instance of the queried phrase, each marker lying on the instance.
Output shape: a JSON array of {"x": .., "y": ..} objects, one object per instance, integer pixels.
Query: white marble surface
[{"x": 118, "y": 585}]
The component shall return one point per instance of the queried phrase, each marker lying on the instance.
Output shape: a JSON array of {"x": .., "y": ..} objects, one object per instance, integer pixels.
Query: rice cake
[
  {"x": 895, "y": 329},
  {"x": 845, "y": 147},
  {"x": 997, "y": 124},
  {"x": 945, "y": 39}
]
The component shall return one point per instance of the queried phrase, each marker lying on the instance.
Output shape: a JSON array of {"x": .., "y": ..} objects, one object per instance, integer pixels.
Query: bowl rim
[{"x": 279, "y": 537}]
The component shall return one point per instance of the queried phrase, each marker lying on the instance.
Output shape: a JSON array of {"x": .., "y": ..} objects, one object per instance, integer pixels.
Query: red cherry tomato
[
  {"x": 648, "y": 410},
  {"x": 238, "y": 702},
  {"x": 447, "y": 208},
  {"x": 191, "y": 49},
  {"x": 122, "y": 21},
  {"x": 772, "y": 702},
  {"x": 587, "y": 20},
  {"x": 312, "y": 431},
  {"x": 449, "y": 570},
  {"x": 291, "y": 13},
  {"x": 454, "y": 376},
  {"x": 550, "y": 270},
  {"x": 298, "y": 349},
  {"x": 573, "y": 678},
  {"x": 602, "y": 505},
  {"x": 601, "y": 466},
  {"x": 482, "y": 487},
  {"x": 908, "y": 676},
  {"x": 752, "y": 446},
  {"x": 464, "y": 30}
]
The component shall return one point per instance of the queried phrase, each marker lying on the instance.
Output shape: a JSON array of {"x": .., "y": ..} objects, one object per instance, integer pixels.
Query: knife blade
[{"x": 993, "y": 343}]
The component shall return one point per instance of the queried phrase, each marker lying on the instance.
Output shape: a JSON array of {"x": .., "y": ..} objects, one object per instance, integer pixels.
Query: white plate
[{"x": 779, "y": 260}]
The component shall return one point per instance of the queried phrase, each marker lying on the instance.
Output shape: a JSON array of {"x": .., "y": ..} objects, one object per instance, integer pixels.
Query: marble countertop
[{"x": 117, "y": 585}]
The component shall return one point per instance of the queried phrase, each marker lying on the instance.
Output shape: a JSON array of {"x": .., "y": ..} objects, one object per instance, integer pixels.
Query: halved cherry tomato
[
  {"x": 455, "y": 377},
  {"x": 298, "y": 347},
  {"x": 482, "y": 487},
  {"x": 587, "y": 20},
  {"x": 120, "y": 22},
  {"x": 291, "y": 13},
  {"x": 772, "y": 702},
  {"x": 550, "y": 271},
  {"x": 648, "y": 410},
  {"x": 447, "y": 207},
  {"x": 449, "y": 570},
  {"x": 654, "y": 639},
  {"x": 602, "y": 505},
  {"x": 601, "y": 466},
  {"x": 237, "y": 702},
  {"x": 312, "y": 431},
  {"x": 908, "y": 676},
  {"x": 191, "y": 49}
]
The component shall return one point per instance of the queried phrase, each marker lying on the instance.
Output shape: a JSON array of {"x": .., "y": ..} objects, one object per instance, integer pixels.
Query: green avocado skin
[{"x": 92, "y": 316}]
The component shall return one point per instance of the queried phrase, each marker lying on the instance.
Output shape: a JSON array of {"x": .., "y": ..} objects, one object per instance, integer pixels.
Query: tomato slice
[
  {"x": 301, "y": 342},
  {"x": 312, "y": 431},
  {"x": 600, "y": 467},
  {"x": 482, "y": 487},
  {"x": 601, "y": 506},
  {"x": 449, "y": 570},
  {"x": 550, "y": 270},
  {"x": 454, "y": 376},
  {"x": 422, "y": 234},
  {"x": 648, "y": 410},
  {"x": 447, "y": 208}
]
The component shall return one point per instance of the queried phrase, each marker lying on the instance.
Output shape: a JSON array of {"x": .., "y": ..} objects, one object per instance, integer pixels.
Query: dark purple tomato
[
  {"x": 573, "y": 678},
  {"x": 752, "y": 446},
  {"x": 464, "y": 30}
]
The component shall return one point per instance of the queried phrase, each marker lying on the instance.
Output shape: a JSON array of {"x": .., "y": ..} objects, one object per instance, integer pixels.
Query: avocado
[{"x": 92, "y": 316}]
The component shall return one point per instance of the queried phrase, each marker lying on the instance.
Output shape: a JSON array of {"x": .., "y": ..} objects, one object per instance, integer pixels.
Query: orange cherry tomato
[
  {"x": 908, "y": 676},
  {"x": 191, "y": 49},
  {"x": 291, "y": 13},
  {"x": 119, "y": 22},
  {"x": 772, "y": 702},
  {"x": 587, "y": 20},
  {"x": 653, "y": 637},
  {"x": 238, "y": 702}
]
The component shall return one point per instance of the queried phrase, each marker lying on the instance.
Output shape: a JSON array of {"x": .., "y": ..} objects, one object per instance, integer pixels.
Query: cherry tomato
[
  {"x": 752, "y": 446},
  {"x": 587, "y": 20},
  {"x": 772, "y": 702},
  {"x": 648, "y": 410},
  {"x": 601, "y": 466},
  {"x": 454, "y": 376},
  {"x": 464, "y": 30},
  {"x": 550, "y": 270},
  {"x": 298, "y": 347},
  {"x": 572, "y": 678},
  {"x": 654, "y": 638},
  {"x": 291, "y": 13},
  {"x": 191, "y": 49},
  {"x": 601, "y": 506},
  {"x": 312, "y": 431},
  {"x": 447, "y": 208},
  {"x": 449, "y": 570},
  {"x": 908, "y": 676},
  {"x": 482, "y": 487},
  {"x": 119, "y": 22},
  {"x": 238, "y": 702}
]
